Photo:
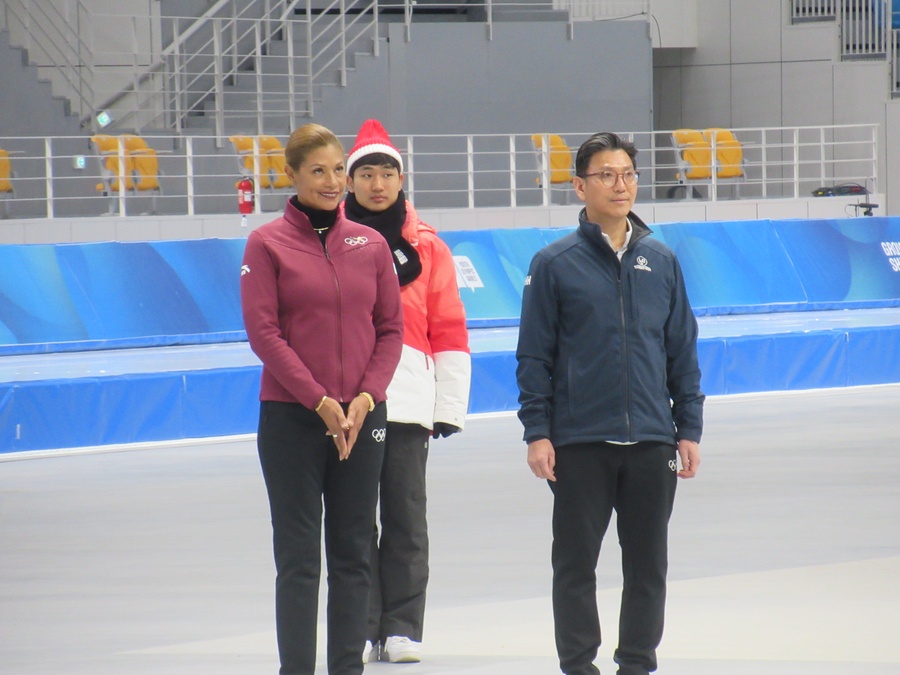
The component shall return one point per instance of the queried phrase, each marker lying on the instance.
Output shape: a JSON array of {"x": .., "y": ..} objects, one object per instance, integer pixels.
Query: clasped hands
[{"x": 344, "y": 429}]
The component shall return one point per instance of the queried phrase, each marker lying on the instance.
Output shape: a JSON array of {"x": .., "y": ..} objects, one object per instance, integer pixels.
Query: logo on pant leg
[
  {"x": 673, "y": 465},
  {"x": 378, "y": 435}
]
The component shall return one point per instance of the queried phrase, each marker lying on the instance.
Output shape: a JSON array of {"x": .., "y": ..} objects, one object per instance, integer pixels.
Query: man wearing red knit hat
[{"x": 427, "y": 398}]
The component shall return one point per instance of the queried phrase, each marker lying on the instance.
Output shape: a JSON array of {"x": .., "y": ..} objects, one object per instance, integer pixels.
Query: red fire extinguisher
[
  {"x": 245, "y": 199},
  {"x": 245, "y": 196}
]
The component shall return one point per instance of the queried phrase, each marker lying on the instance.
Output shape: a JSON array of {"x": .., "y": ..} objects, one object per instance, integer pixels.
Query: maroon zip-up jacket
[{"x": 323, "y": 320}]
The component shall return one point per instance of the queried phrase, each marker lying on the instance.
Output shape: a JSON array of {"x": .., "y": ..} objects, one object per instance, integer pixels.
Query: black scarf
[{"x": 389, "y": 224}]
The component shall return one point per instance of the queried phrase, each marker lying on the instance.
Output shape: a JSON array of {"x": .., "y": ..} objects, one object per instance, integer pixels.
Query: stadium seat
[
  {"x": 559, "y": 161},
  {"x": 248, "y": 161},
  {"x": 729, "y": 153},
  {"x": 107, "y": 148},
  {"x": 272, "y": 149},
  {"x": 141, "y": 166},
  {"x": 269, "y": 159},
  {"x": 693, "y": 155},
  {"x": 6, "y": 186},
  {"x": 695, "y": 160}
]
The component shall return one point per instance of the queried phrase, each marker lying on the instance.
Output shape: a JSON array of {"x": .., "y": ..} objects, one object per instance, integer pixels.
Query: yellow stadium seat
[
  {"x": 270, "y": 160},
  {"x": 729, "y": 154},
  {"x": 274, "y": 152},
  {"x": 141, "y": 166},
  {"x": 243, "y": 147},
  {"x": 559, "y": 161},
  {"x": 107, "y": 148},
  {"x": 144, "y": 162},
  {"x": 6, "y": 186},
  {"x": 146, "y": 169},
  {"x": 693, "y": 155},
  {"x": 5, "y": 172}
]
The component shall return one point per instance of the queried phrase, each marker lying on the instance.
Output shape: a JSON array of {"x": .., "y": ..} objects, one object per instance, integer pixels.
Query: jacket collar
[
  {"x": 410, "y": 230},
  {"x": 300, "y": 221},
  {"x": 591, "y": 231}
]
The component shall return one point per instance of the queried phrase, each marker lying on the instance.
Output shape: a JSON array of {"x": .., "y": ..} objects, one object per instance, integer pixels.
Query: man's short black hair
[
  {"x": 375, "y": 159},
  {"x": 605, "y": 140}
]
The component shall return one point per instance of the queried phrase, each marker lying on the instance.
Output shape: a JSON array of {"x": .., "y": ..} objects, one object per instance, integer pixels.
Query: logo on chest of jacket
[
  {"x": 245, "y": 269},
  {"x": 642, "y": 264},
  {"x": 354, "y": 241}
]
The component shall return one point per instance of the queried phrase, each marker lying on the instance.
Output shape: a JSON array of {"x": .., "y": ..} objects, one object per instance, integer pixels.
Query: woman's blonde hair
[{"x": 305, "y": 139}]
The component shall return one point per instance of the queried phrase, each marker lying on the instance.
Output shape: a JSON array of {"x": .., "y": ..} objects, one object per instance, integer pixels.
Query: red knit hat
[{"x": 372, "y": 138}]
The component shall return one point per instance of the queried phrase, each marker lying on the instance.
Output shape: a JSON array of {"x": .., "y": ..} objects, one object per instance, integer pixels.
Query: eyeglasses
[{"x": 609, "y": 178}]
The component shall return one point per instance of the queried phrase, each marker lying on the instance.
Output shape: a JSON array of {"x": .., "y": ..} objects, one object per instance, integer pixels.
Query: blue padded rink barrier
[
  {"x": 784, "y": 551},
  {"x": 116, "y": 343}
]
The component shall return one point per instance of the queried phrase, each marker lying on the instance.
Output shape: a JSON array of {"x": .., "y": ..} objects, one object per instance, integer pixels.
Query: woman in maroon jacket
[{"x": 321, "y": 306}]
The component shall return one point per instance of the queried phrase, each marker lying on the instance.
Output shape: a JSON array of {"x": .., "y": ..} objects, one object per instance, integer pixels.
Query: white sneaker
[
  {"x": 400, "y": 649},
  {"x": 367, "y": 652}
]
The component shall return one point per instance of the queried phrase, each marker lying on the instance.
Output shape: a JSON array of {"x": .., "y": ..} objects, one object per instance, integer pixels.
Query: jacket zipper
[
  {"x": 626, "y": 384},
  {"x": 340, "y": 314}
]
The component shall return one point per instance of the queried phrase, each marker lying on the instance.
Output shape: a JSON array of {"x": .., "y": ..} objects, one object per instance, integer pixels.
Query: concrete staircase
[
  {"x": 241, "y": 103},
  {"x": 29, "y": 106}
]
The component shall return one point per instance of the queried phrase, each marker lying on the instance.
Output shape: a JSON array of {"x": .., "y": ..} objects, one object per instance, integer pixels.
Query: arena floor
[{"x": 785, "y": 552}]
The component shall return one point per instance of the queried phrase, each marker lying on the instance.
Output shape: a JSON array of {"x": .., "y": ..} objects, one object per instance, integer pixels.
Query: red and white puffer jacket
[{"x": 431, "y": 383}]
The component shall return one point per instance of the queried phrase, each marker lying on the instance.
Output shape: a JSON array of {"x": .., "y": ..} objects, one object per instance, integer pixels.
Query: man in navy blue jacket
[{"x": 610, "y": 400}]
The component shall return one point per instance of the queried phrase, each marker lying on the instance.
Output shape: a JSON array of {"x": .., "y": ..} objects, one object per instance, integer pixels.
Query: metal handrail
[
  {"x": 198, "y": 175},
  {"x": 345, "y": 25},
  {"x": 203, "y": 52},
  {"x": 895, "y": 63},
  {"x": 156, "y": 66},
  {"x": 813, "y": 10},
  {"x": 865, "y": 27}
]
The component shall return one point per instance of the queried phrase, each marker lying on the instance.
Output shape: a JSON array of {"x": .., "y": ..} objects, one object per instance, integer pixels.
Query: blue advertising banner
[
  {"x": 490, "y": 268},
  {"x": 734, "y": 267},
  {"x": 73, "y": 297},
  {"x": 845, "y": 263}
]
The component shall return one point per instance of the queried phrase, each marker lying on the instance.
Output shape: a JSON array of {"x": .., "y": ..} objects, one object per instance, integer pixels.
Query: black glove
[{"x": 442, "y": 430}]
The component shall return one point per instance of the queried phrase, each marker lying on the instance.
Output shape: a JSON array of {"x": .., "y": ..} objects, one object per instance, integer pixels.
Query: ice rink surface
[{"x": 784, "y": 555}]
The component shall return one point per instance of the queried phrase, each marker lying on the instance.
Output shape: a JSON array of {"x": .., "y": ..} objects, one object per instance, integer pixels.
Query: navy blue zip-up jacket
[{"x": 607, "y": 350}]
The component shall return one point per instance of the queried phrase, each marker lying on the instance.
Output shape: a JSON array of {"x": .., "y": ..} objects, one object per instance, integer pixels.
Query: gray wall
[
  {"x": 450, "y": 79},
  {"x": 752, "y": 68}
]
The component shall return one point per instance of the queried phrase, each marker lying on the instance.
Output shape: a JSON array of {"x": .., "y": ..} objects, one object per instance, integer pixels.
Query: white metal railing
[
  {"x": 813, "y": 10},
  {"x": 198, "y": 176},
  {"x": 241, "y": 64},
  {"x": 594, "y": 10},
  {"x": 572, "y": 10},
  {"x": 869, "y": 29},
  {"x": 195, "y": 66},
  {"x": 895, "y": 62},
  {"x": 865, "y": 27},
  {"x": 237, "y": 61}
]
